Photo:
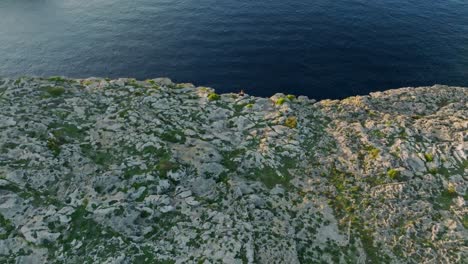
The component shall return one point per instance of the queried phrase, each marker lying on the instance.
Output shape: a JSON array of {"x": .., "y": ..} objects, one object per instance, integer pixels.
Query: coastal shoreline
[{"x": 124, "y": 171}]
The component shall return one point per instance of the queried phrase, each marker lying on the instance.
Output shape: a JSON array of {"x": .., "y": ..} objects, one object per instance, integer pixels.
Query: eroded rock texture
[{"x": 126, "y": 171}]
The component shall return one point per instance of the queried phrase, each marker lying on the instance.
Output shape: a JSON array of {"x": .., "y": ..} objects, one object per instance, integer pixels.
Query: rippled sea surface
[{"x": 319, "y": 48}]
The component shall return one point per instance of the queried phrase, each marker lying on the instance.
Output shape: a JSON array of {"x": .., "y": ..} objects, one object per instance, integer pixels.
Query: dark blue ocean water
[{"x": 319, "y": 48}]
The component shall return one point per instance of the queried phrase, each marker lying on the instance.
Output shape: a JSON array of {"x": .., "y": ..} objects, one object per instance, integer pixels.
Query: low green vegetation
[
  {"x": 54, "y": 145},
  {"x": 55, "y": 91},
  {"x": 7, "y": 146},
  {"x": 6, "y": 227},
  {"x": 129, "y": 172},
  {"x": 176, "y": 86},
  {"x": 322, "y": 158},
  {"x": 429, "y": 157},
  {"x": 465, "y": 221},
  {"x": 280, "y": 101},
  {"x": 377, "y": 133},
  {"x": 372, "y": 151},
  {"x": 213, "y": 97},
  {"x": 101, "y": 157},
  {"x": 393, "y": 174},
  {"x": 165, "y": 165},
  {"x": 238, "y": 107},
  {"x": 445, "y": 199},
  {"x": 174, "y": 136},
  {"x": 124, "y": 113},
  {"x": 270, "y": 177},
  {"x": 347, "y": 201},
  {"x": 2, "y": 93},
  {"x": 66, "y": 131},
  {"x": 372, "y": 252},
  {"x": 276, "y": 176},
  {"x": 62, "y": 134},
  {"x": 228, "y": 159},
  {"x": 291, "y": 122},
  {"x": 58, "y": 79},
  {"x": 164, "y": 223},
  {"x": 84, "y": 228},
  {"x": 451, "y": 190}
]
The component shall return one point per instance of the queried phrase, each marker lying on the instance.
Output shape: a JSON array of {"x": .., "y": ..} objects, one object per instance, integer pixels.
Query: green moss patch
[
  {"x": 213, "y": 97},
  {"x": 55, "y": 91},
  {"x": 174, "y": 136},
  {"x": 280, "y": 101},
  {"x": 429, "y": 157},
  {"x": 393, "y": 173},
  {"x": 291, "y": 122},
  {"x": 228, "y": 159}
]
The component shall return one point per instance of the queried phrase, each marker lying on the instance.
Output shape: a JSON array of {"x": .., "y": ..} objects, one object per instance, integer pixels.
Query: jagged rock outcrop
[{"x": 126, "y": 171}]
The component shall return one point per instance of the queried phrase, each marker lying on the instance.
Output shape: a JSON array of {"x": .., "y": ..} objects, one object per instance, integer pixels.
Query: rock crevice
[{"x": 125, "y": 171}]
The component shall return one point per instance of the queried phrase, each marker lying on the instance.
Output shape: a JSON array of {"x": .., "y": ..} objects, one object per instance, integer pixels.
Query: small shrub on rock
[
  {"x": 57, "y": 79},
  {"x": 280, "y": 101},
  {"x": 373, "y": 152},
  {"x": 429, "y": 157},
  {"x": 291, "y": 122},
  {"x": 213, "y": 97},
  {"x": 393, "y": 173},
  {"x": 55, "y": 91},
  {"x": 451, "y": 190},
  {"x": 54, "y": 145}
]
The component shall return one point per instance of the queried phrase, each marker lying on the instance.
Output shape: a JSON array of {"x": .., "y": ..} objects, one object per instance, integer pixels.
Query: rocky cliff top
[{"x": 126, "y": 171}]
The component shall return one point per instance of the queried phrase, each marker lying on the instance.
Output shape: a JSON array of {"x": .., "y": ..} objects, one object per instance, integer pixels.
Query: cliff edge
[{"x": 126, "y": 171}]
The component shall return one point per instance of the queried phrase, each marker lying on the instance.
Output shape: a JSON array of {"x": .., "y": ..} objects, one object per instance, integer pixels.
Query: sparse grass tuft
[
  {"x": 228, "y": 159},
  {"x": 58, "y": 79},
  {"x": 54, "y": 145},
  {"x": 393, "y": 173},
  {"x": 373, "y": 152},
  {"x": 429, "y": 157},
  {"x": 55, "y": 91},
  {"x": 291, "y": 122},
  {"x": 6, "y": 227},
  {"x": 451, "y": 190},
  {"x": 213, "y": 97},
  {"x": 164, "y": 166},
  {"x": 174, "y": 136},
  {"x": 271, "y": 178},
  {"x": 377, "y": 133},
  {"x": 280, "y": 101},
  {"x": 445, "y": 199}
]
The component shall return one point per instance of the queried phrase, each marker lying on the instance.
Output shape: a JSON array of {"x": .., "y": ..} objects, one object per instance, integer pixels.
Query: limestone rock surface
[{"x": 125, "y": 171}]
